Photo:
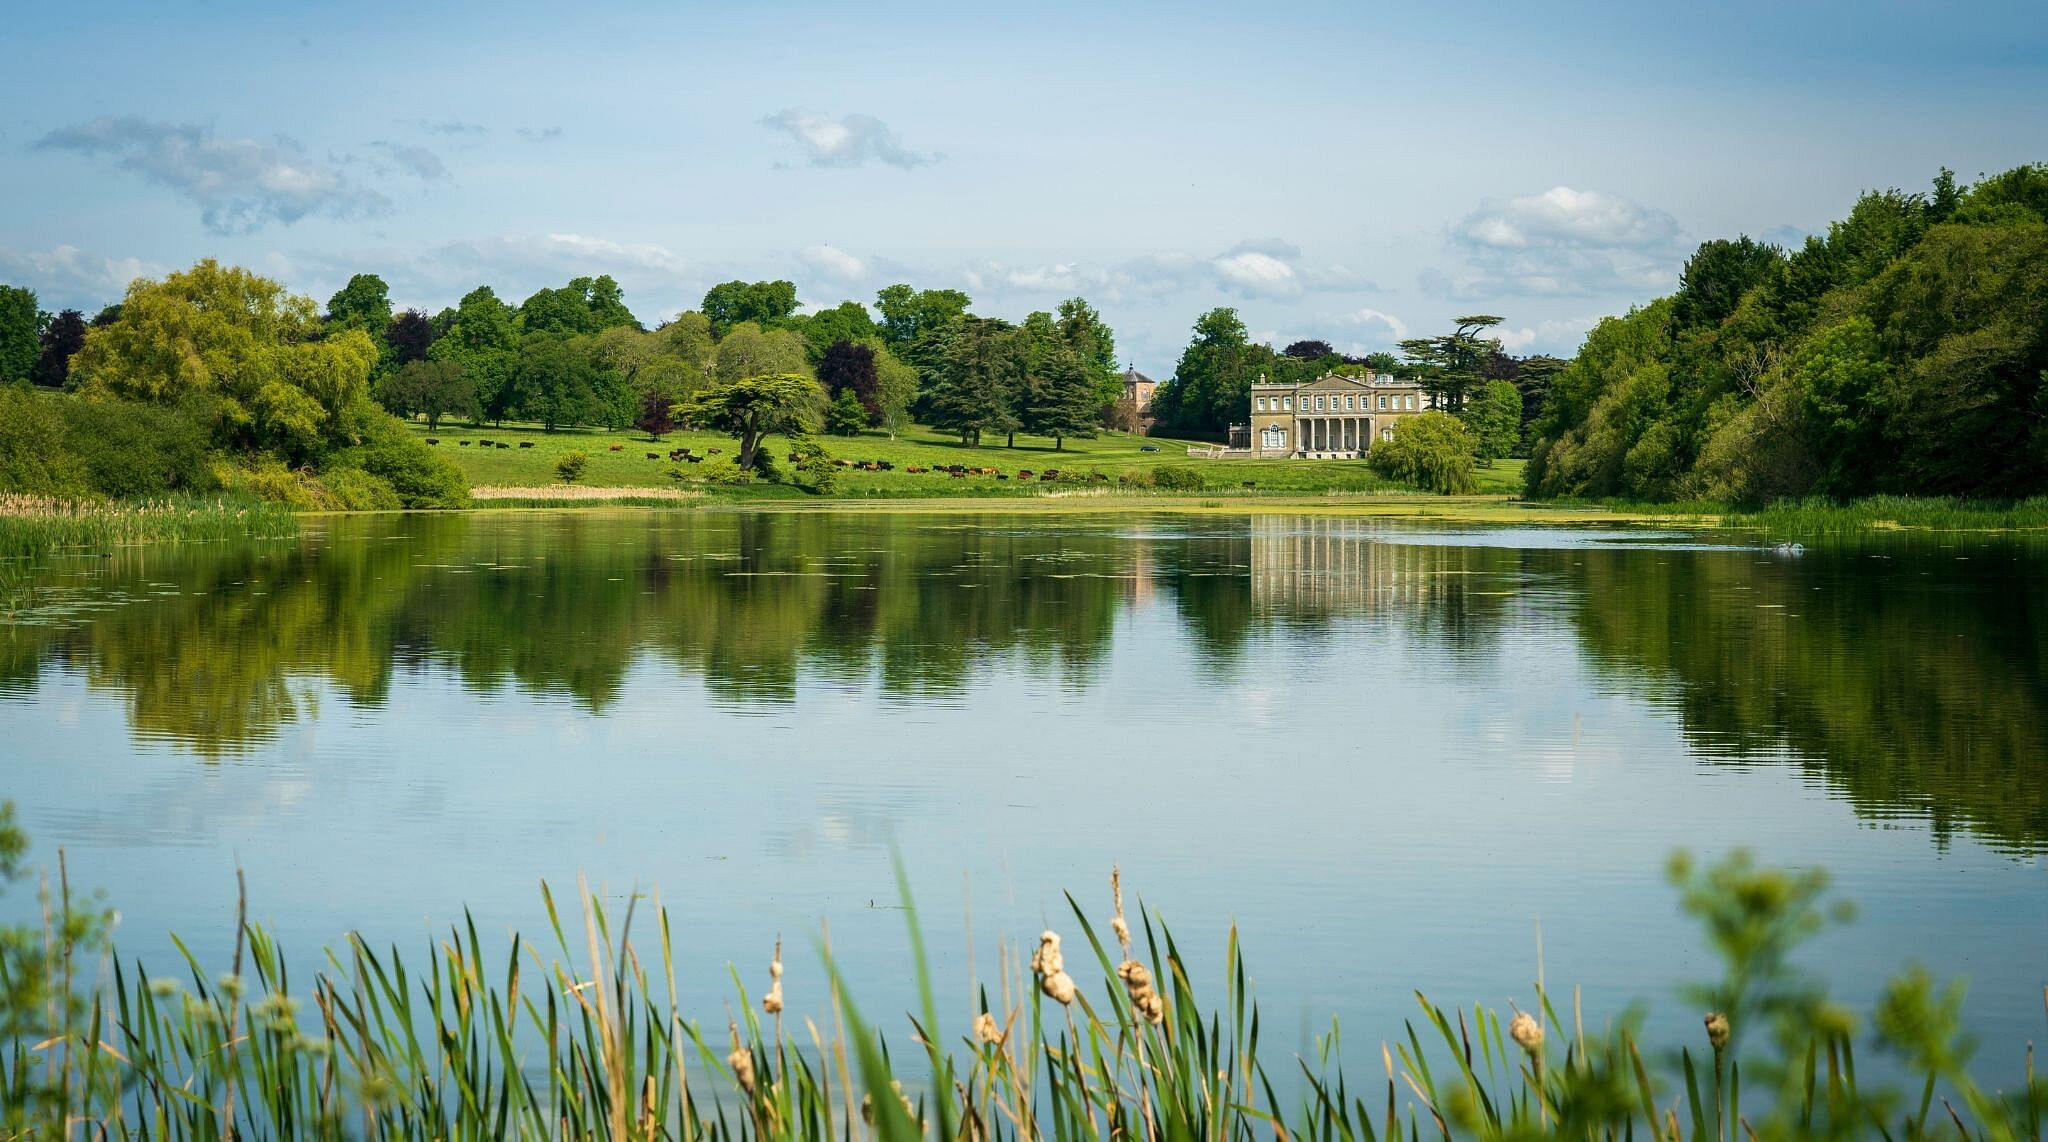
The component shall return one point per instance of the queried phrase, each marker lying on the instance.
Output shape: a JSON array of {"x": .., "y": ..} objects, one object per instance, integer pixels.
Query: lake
[{"x": 1390, "y": 753}]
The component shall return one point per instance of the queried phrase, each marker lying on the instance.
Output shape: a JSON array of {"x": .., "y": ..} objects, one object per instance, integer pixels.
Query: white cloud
[
  {"x": 65, "y": 276},
  {"x": 845, "y": 141},
  {"x": 1561, "y": 243},
  {"x": 1257, "y": 274},
  {"x": 240, "y": 185},
  {"x": 1562, "y": 216},
  {"x": 834, "y": 263},
  {"x": 1559, "y": 337},
  {"x": 1258, "y": 268},
  {"x": 1373, "y": 322}
]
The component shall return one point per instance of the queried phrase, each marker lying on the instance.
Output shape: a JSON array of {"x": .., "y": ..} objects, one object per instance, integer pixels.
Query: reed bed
[
  {"x": 580, "y": 1035},
  {"x": 1818, "y": 515},
  {"x": 31, "y": 525}
]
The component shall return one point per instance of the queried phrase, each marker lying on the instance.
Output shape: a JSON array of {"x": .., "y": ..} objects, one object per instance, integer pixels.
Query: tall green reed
[{"x": 581, "y": 1035}]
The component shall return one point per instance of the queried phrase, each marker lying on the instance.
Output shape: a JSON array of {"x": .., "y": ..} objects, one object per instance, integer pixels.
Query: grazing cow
[
  {"x": 694, "y": 459},
  {"x": 654, "y": 455},
  {"x": 958, "y": 474},
  {"x": 431, "y": 440},
  {"x": 914, "y": 470},
  {"x": 885, "y": 466},
  {"x": 716, "y": 451},
  {"x": 526, "y": 444},
  {"x": 502, "y": 444},
  {"x": 1002, "y": 475},
  {"x": 1023, "y": 473},
  {"x": 464, "y": 443},
  {"x": 483, "y": 442},
  {"x": 618, "y": 448}
]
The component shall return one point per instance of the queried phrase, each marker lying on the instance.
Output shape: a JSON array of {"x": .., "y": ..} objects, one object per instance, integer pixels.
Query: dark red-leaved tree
[{"x": 849, "y": 365}]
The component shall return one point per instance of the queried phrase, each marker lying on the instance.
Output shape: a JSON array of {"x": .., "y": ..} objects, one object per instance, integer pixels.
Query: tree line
[{"x": 1904, "y": 351}]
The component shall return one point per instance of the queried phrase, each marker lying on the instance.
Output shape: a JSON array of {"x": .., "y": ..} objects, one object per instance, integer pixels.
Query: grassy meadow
[{"x": 619, "y": 460}]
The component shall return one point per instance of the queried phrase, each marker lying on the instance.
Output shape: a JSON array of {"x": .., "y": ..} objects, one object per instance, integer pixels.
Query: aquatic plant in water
[{"x": 583, "y": 1037}]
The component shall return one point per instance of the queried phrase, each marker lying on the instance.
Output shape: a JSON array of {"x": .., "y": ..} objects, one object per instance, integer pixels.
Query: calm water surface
[{"x": 1389, "y": 754}]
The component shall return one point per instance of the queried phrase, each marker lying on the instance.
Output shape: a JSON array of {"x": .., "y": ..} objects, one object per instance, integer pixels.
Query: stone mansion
[{"x": 1333, "y": 417}]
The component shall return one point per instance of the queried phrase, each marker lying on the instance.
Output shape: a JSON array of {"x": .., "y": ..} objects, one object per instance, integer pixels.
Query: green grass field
[{"x": 619, "y": 460}]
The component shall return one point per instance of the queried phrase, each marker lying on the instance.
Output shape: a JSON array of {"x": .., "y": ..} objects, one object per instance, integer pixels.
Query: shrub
[
  {"x": 570, "y": 467},
  {"x": 132, "y": 449},
  {"x": 1178, "y": 478},
  {"x": 33, "y": 458},
  {"x": 272, "y": 482},
  {"x": 1431, "y": 451},
  {"x": 354, "y": 490},
  {"x": 846, "y": 416},
  {"x": 727, "y": 473},
  {"x": 421, "y": 477}
]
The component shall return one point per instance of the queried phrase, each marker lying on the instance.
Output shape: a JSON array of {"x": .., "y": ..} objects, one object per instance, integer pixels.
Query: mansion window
[
  {"x": 1319, "y": 404},
  {"x": 1411, "y": 400},
  {"x": 1262, "y": 404},
  {"x": 1287, "y": 402},
  {"x": 1383, "y": 402},
  {"x": 1386, "y": 434},
  {"x": 1273, "y": 437}
]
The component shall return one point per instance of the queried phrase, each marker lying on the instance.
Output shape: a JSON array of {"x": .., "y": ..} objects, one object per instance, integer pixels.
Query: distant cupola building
[{"x": 1138, "y": 389}]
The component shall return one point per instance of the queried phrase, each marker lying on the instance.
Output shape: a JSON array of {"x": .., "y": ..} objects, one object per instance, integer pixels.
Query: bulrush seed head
[
  {"x": 1145, "y": 998},
  {"x": 1052, "y": 969},
  {"x": 1047, "y": 959},
  {"x": 741, "y": 1059},
  {"x": 1717, "y": 1030},
  {"x": 1526, "y": 1032},
  {"x": 986, "y": 1030},
  {"x": 772, "y": 1002}
]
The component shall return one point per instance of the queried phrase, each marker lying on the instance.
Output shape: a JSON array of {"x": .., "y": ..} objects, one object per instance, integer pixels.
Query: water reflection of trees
[
  {"x": 1910, "y": 681},
  {"x": 1912, "y": 684}
]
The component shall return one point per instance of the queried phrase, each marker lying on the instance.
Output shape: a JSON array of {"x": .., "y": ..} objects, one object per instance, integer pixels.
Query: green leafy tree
[
  {"x": 1495, "y": 418},
  {"x": 1383, "y": 362},
  {"x": 570, "y": 467},
  {"x": 896, "y": 388},
  {"x": 432, "y": 389},
  {"x": 847, "y": 321},
  {"x": 1093, "y": 344},
  {"x": 728, "y": 304},
  {"x": 481, "y": 334},
  {"x": 1211, "y": 387},
  {"x": 911, "y": 317},
  {"x": 1431, "y": 451},
  {"x": 1451, "y": 365},
  {"x": 978, "y": 380},
  {"x": 364, "y": 303},
  {"x": 747, "y": 350},
  {"x": 1718, "y": 274},
  {"x": 1061, "y": 398},
  {"x": 61, "y": 340},
  {"x": 845, "y": 416},
  {"x": 21, "y": 328},
  {"x": 242, "y": 340},
  {"x": 556, "y": 382},
  {"x": 752, "y": 408}
]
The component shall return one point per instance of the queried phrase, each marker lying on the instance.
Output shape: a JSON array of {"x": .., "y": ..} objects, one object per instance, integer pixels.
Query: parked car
[{"x": 1148, "y": 448}]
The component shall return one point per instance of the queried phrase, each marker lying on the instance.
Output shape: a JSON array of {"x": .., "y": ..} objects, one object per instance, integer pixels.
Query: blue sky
[{"x": 1351, "y": 172}]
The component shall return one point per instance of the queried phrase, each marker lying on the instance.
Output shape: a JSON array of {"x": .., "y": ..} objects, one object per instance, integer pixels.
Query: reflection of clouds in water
[{"x": 865, "y": 820}]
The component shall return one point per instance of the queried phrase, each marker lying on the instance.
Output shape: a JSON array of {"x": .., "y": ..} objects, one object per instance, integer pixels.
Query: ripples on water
[{"x": 1388, "y": 752}]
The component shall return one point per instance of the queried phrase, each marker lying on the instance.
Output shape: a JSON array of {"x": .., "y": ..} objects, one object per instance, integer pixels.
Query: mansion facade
[{"x": 1333, "y": 417}]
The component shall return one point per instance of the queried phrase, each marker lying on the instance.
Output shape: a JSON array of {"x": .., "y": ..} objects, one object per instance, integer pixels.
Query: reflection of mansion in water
[
  {"x": 1333, "y": 417},
  {"x": 1303, "y": 564}
]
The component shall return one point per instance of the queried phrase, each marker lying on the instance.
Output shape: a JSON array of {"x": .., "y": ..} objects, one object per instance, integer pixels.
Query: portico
[{"x": 1333, "y": 417}]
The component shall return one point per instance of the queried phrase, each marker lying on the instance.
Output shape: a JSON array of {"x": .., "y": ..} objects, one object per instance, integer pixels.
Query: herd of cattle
[{"x": 955, "y": 471}]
